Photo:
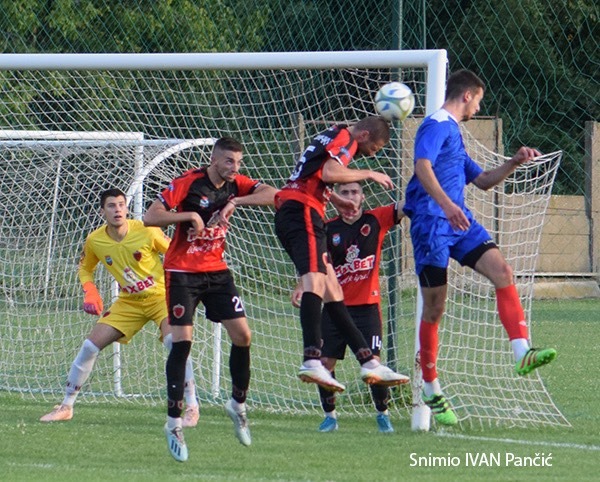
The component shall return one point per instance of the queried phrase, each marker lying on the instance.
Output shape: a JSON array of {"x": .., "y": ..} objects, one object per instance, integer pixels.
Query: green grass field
[{"x": 123, "y": 441}]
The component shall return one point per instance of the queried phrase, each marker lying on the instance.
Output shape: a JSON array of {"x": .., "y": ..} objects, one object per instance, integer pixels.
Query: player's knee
[
  {"x": 433, "y": 313},
  {"x": 241, "y": 337},
  {"x": 504, "y": 276}
]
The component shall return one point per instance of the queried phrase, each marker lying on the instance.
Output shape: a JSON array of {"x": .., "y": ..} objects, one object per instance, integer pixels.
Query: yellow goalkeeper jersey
[{"x": 134, "y": 262}]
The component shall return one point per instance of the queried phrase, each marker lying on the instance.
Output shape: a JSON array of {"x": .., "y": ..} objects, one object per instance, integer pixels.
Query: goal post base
[{"x": 421, "y": 418}]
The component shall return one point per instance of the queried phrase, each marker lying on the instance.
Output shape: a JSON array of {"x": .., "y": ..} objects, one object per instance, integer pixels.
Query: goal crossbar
[{"x": 435, "y": 61}]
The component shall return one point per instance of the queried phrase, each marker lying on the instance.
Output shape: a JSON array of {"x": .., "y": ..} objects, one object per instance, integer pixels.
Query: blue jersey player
[{"x": 442, "y": 227}]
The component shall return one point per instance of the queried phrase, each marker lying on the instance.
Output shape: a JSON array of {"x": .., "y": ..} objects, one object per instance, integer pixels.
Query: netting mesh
[{"x": 49, "y": 200}]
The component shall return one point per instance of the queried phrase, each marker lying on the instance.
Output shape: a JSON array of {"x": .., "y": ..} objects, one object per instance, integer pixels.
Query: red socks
[
  {"x": 511, "y": 312},
  {"x": 428, "y": 339}
]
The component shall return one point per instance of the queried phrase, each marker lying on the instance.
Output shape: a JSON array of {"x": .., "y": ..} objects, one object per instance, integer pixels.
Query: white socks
[
  {"x": 372, "y": 364},
  {"x": 520, "y": 346},
  {"x": 432, "y": 388},
  {"x": 238, "y": 407},
  {"x": 80, "y": 370}
]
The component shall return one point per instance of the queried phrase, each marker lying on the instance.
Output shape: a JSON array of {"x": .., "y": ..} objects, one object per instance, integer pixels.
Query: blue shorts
[{"x": 435, "y": 242}]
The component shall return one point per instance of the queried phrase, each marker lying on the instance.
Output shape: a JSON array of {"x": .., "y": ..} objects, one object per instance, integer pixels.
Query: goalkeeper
[
  {"x": 130, "y": 252},
  {"x": 442, "y": 227}
]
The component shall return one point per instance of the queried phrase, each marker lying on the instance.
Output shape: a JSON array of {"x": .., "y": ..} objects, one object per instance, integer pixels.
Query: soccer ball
[{"x": 394, "y": 101}]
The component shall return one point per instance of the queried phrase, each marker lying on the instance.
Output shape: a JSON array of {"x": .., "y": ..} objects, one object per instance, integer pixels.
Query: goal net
[{"x": 82, "y": 123}]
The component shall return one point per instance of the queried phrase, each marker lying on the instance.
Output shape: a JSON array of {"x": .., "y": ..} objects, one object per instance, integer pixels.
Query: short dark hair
[
  {"x": 462, "y": 81},
  {"x": 114, "y": 192},
  {"x": 228, "y": 144},
  {"x": 377, "y": 126}
]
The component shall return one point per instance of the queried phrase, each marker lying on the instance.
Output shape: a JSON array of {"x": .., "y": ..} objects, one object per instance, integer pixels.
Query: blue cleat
[
  {"x": 384, "y": 424},
  {"x": 329, "y": 424}
]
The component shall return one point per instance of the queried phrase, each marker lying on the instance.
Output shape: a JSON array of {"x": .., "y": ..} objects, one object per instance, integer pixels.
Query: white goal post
[{"x": 274, "y": 103}]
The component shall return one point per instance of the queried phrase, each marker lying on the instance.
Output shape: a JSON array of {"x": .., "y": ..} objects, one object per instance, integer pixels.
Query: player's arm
[
  {"x": 344, "y": 206},
  {"x": 428, "y": 179},
  {"x": 158, "y": 215},
  {"x": 399, "y": 211},
  {"x": 160, "y": 241},
  {"x": 493, "y": 177},
  {"x": 335, "y": 172},
  {"x": 92, "y": 301},
  {"x": 263, "y": 195}
]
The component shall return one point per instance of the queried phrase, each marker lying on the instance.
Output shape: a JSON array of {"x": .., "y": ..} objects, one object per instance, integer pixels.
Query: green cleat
[
  {"x": 534, "y": 358},
  {"x": 440, "y": 408}
]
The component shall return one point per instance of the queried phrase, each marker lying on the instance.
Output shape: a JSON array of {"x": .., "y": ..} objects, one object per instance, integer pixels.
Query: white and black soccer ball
[{"x": 394, "y": 101}]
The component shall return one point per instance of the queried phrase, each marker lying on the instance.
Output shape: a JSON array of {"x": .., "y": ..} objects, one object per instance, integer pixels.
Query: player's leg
[
  {"x": 489, "y": 262},
  {"x": 223, "y": 303},
  {"x": 239, "y": 369},
  {"x": 433, "y": 282},
  {"x": 327, "y": 398},
  {"x": 182, "y": 299},
  {"x": 192, "y": 408},
  {"x": 431, "y": 239},
  {"x": 301, "y": 231},
  {"x": 333, "y": 349},
  {"x": 99, "y": 338},
  {"x": 371, "y": 371},
  {"x": 368, "y": 321}
]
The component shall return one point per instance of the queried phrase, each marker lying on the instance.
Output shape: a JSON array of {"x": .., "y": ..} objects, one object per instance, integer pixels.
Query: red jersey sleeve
[{"x": 177, "y": 189}]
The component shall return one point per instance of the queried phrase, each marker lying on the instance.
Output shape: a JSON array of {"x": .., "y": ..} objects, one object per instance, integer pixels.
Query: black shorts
[
  {"x": 301, "y": 231},
  {"x": 216, "y": 291},
  {"x": 367, "y": 319}
]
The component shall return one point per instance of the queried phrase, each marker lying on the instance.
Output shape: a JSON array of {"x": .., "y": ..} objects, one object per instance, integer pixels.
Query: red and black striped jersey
[
  {"x": 193, "y": 191},
  {"x": 306, "y": 182},
  {"x": 355, "y": 251}
]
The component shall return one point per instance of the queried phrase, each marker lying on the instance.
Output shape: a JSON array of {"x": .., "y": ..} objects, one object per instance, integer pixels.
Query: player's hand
[
  {"x": 226, "y": 212},
  {"x": 525, "y": 154},
  {"x": 297, "y": 295},
  {"x": 383, "y": 179},
  {"x": 456, "y": 217},
  {"x": 345, "y": 206},
  {"x": 197, "y": 225},
  {"x": 92, "y": 301}
]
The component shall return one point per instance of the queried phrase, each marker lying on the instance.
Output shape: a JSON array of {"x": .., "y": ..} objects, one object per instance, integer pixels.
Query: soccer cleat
[
  {"x": 191, "y": 416},
  {"x": 176, "y": 443},
  {"x": 382, "y": 375},
  {"x": 329, "y": 424},
  {"x": 384, "y": 424},
  {"x": 321, "y": 376},
  {"x": 60, "y": 413},
  {"x": 240, "y": 424},
  {"x": 440, "y": 408},
  {"x": 534, "y": 358}
]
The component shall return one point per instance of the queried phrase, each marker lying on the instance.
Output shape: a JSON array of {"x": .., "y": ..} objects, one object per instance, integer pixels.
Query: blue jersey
[{"x": 439, "y": 140}]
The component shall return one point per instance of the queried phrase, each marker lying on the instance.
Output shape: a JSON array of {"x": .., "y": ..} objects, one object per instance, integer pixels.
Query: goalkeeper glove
[{"x": 92, "y": 302}]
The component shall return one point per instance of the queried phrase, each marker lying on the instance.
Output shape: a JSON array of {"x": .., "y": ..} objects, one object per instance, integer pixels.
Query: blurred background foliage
[{"x": 540, "y": 59}]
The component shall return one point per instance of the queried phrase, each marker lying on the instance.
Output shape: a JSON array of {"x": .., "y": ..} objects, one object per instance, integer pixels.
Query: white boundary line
[{"x": 521, "y": 442}]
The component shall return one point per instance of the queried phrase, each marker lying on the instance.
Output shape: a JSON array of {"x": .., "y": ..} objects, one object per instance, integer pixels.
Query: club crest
[
  {"x": 137, "y": 256},
  {"x": 178, "y": 311},
  {"x": 108, "y": 260},
  {"x": 336, "y": 239},
  {"x": 204, "y": 202},
  {"x": 365, "y": 229}
]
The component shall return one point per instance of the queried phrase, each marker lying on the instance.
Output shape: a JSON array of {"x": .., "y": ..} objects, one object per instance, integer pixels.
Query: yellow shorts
[{"x": 130, "y": 316}]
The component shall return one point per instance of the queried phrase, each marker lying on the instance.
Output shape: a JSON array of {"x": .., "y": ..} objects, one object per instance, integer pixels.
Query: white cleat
[
  {"x": 191, "y": 416},
  {"x": 321, "y": 376},
  {"x": 60, "y": 413},
  {"x": 240, "y": 424},
  {"x": 382, "y": 375},
  {"x": 176, "y": 443}
]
